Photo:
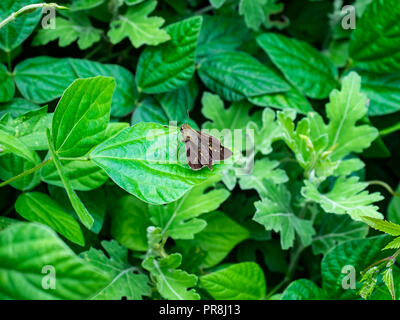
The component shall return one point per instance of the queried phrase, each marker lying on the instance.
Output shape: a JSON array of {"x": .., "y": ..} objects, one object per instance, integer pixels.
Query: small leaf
[
  {"x": 140, "y": 28},
  {"x": 172, "y": 283},
  {"x": 7, "y": 87},
  {"x": 253, "y": 12}
]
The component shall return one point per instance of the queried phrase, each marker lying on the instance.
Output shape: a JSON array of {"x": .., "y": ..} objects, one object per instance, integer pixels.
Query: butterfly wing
[{"x": 192, "y": 154}]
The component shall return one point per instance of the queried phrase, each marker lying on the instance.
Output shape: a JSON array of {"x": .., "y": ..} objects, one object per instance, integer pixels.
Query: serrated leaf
[
  {"x": 28, "y": 253},
  {"x": 178, "y": 220},
  {"x": 241, "y": 281},
  {"x": 274, "y": 212},
  {"x": 389, "y": 282},
  {"x": 236, "y": 75},
  {"x": 172, "y": 283},
  {"x": 373, "y": 43},
  {"x": 303, "y": 66},
  {"x": 148, "y": 148},
  {"x": 170, "y": 65},
  {"x": 253, "y": 12},
  {"x": 383, "y": 225},
  {"x": 347, "y": 196},
  {"x": 263, "y": 169},
  {"x": 84, "y": 106},
  {"x": 75, "y": 28},
  {"x": 138, "y": 27},
  {"x": 125, "y": 280},
  {"x": 39, "y": 207}
]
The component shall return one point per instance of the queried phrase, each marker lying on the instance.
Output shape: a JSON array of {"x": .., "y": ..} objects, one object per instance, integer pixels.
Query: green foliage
[{"x": 94, "y": 179}]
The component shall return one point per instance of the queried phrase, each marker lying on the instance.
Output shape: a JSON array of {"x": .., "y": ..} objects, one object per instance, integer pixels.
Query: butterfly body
[{"x": 202, "y": 149}]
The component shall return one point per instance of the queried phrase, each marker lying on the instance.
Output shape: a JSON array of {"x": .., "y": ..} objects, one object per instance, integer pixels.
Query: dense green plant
[{"x": 96, "y": 195}]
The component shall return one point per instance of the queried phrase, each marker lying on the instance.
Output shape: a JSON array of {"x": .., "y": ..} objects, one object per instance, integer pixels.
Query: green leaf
[
  {"x": 7, "y": 87},
  {"x": 389, "y": 282},
  {"x": 374, "y": 43},
  {"x": 265, "y": 134},
  {"x": 149, "y": 110},
  {"x": 30, "y": 254},
  {"x": 138, "y": 27},
  {"x": 345, "y": 108},
  {"x": 5, "y": 222},
  {"x": 303, "y": 66},
  {"x": 17, "y": 107},
  {"x": 79, "y": 5},
  {"x": 125, "y": 94},
  {"x": 383, "y": 92},
  {"x": 30, "y": 128},
  {"x": 263, "y": 169},
  {"x": 347, "y": 196},
  {"x": 291, "y": 99},
  {"x": 336, "y": 229},
  {"x": 236, "y": 75},
  {"x": 39, "y": 207},
  {"x": 393, "y": 212},
  {"x": 383, "y": 225},
  {"x": 357, "y": 253},
  {"x": 170, "y": 65},
  {"x": 241, "y": 281},
  {"x": 84, "y": 175},
  {"x": 274, "y": 212},
  {"x": 126, "y": 282},
  {"x": 75, "y": 27},
  {"x": 178, "y": 220},
  {"x": 303, "y": 289},
  {"x": 84, "y": 107},
  {"x": 76, "y": 203},
  {"x": 16, "y": 32},
  {"x": 177, "y": 103},
  {"x": 15, "y": 159},
  {"x": 129, "y": 221},
  {"x": 143, "y": 160},
  {"x": 217, "y": 3},
  {"x": 172, "y": 283},
  {"x": 253, "y": 12},
  {"x": 218, "y": 238},
  {"x": 218, "y": 34},
  {"x": 50, "y": 75}
]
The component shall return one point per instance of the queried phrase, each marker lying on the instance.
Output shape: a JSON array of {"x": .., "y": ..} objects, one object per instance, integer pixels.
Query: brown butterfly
[{"x": 202, "y": 149}]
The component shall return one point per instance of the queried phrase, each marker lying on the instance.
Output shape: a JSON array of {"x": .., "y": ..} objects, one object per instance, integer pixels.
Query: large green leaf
[
  {"x": 125, "y": 281},
  {"x": 179, "y": 220},
  {"x": 7, "y": 87},
  {"x": 170, "y": 65},
  {"x": 303, "y": 66},
  {"x": 17, "y": 107},
  {"x": 374, "y": 42},
  {"x": 303, "y": 289},
  {"x": 143, "y": 160},
  {"x": 51, "y": 76},
  {"x": 32, "y": 255},
  {"x": 241, "y": 281},
  {"x": 236, "y": 75},
  {"x": 39, "y": 207},
  {"x": 16, "y": 32},
  {"x": 172, "y": 283},
  {"x": 84, "y": 107},
  {"x": 125, "y": 94},
  {"x": 138, "y": 27}
]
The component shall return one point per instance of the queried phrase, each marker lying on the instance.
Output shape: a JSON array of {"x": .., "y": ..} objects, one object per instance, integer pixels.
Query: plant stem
[
  {"x": 384, "y": 185},
  {"x": 28, "y": 9},
  {"x": 386, "y": 131},
  {"x": 74, "y": 159},
  {"x": 25, "y": 173}
]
